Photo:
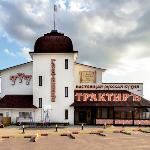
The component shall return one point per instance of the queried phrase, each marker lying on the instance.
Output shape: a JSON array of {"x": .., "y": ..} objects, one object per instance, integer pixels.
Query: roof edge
[
  {"x": 15, "y": 66},
  {"x": 53, "y": 52},
  {"x": 121, "y": 83},
  {"x": 90, "y": 66}
]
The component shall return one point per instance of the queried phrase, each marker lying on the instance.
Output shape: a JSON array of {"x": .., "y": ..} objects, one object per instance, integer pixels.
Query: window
[
  {"x": 7, "y": 114},
  {"x": 40, "y": 80},
  {"x": 99, "y": 113},
  {"x": 129, "y": 115},
  {"x": 66, "y": 113},
  {"x": 137, "y": 113},
  {"x": 144, "y": 113},
  {"x": 25, "y": 114},
  {"x": 66, "y": 91},
  {"x": 117, "y": 115},
  {"x": 123, "y": 115},
  {"x": 66, "y": 63},
  {"x": 147, "y": 115},
  {"x": 104, "y": 113},
  {"x": 40, "y": 102},
  {"x": 110, "y": 113}
]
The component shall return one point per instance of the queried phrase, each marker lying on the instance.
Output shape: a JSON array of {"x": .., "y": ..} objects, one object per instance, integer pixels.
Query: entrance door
[{"x": 82, "y": 116}]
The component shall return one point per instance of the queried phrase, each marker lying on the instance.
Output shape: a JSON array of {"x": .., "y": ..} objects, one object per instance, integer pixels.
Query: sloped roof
[
  {"x": 17, "y": 101},
  {"x": 90, "y": 66},
  {"x": 142, "y": 103},
  {"x": 15, "y": 66}
]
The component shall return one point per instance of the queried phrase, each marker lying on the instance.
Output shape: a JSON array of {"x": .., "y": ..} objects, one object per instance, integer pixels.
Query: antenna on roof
[
  {"x": 55, "y": 10},
  {"x": 56, "y": 6}
]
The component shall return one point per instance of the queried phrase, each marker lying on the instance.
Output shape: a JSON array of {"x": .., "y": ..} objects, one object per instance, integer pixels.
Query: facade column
[
  {"x": 74, "y": 114},
  {"x": 133, "y": 116},
  {"x": 95, "y": 115},
  {"x": 113, "y": 116}
]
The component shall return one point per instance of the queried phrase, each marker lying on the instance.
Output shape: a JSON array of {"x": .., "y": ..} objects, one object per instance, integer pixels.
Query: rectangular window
[
  {"x": 40, "y": 80},
  {"x": 104, "y": 113},
  {"x": 66, "y": 113},
  {"x": 99, "y": 113},
  {"x": 117, "y": 115},
  {"x": 129, "y": 115},
  {"x": 66, "y": 63},
  {"x": 25, "y": 114},
  {"x": 66, "y": 91},
  {"x": 137, "y": 113},
  {"x": 40, "y": 102},
  {"x": 123, "y": 115},
  {"x": 147, "y": 115},
  {"x": 7, "y": 114},
  {"x": 144, "y": 113},
  {"x": 110, "y": 113}
]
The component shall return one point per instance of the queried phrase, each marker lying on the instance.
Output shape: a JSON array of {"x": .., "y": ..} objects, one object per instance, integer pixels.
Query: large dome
[{"x": 53, "y": 42}]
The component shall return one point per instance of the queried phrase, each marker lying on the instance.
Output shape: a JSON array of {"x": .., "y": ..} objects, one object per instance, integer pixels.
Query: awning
[{"x": 129, "y": 104}]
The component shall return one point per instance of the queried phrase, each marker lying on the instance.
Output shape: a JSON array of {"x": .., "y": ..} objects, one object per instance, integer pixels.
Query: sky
[{"x": 111, "y": 34}]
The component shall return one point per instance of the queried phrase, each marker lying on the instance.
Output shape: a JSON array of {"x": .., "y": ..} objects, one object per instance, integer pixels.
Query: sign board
[
  {"x": 87, "y": 76},
  {"x": 97, "y": 96},
  {"x": 136, "y": 88},
  {"x": 53, "y": 80}
]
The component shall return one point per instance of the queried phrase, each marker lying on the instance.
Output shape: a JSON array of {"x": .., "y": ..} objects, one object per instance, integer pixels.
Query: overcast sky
[{"x": 111, "y": 34}]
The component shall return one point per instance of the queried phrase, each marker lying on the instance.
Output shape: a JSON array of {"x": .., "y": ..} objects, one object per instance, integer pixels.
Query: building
[{"x": 54, "y": 88}]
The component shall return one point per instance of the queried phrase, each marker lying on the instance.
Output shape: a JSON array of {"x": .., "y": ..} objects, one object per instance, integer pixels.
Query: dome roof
[{"x": 53, "y": 42}]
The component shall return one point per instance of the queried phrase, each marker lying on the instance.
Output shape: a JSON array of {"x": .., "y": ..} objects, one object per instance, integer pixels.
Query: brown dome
[{"x": 53, "y": 42}]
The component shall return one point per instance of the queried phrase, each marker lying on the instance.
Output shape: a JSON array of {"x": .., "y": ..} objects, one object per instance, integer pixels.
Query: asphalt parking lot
[{"x": 83, "y": 140}]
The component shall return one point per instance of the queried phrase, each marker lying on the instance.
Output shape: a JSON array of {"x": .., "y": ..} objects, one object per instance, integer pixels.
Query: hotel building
[{"x": 54, "y": 88}]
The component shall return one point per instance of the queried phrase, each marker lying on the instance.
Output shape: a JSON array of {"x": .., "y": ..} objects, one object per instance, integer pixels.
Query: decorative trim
[
  {"x": 103, "y": 121},
  {"x": 142, "y": 122},
  {"x": 128, "y": 122}
]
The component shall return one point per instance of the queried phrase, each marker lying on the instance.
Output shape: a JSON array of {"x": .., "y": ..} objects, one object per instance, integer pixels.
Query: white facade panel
[
  {"x": 79, "y": 68},
  {"x": 64, "y": 78},
  {"x": 14, "y": 113},
  {"x": 19, "y": 88}
]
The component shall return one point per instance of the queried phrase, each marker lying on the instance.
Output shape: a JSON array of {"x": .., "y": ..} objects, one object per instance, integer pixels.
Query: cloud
[
  {"x": 10, "y": 53},
  {"x": 108, "y": 34},
  {"x": 131, "y": 70},
  {"x": 25, "y": 53},
  {"x": 24, "y": 20}
]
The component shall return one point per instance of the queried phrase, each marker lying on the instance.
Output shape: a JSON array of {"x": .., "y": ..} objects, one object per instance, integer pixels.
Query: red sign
[
  {"x": 53, "y": 81},
  {"x": 20, "y": 77},
  {"x": 104, "y": 96}
]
